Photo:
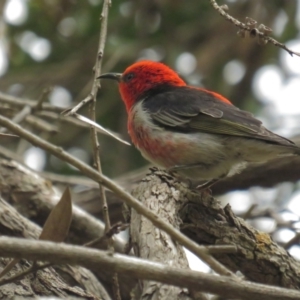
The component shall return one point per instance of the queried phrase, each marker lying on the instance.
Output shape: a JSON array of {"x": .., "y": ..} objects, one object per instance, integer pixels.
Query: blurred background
[{"x": 53, "y": 45}]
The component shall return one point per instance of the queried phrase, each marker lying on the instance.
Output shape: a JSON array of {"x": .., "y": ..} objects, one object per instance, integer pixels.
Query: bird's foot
[{"x": 207, "y": 185}]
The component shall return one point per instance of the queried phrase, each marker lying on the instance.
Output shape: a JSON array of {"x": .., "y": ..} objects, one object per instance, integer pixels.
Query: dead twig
[{"x": 261, "y": 33}]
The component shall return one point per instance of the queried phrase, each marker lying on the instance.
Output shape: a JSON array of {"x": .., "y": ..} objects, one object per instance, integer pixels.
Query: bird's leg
[
  {"x": 203, "y": 186},
  {"x": 183, "y": 167},
  {"x": 208, "y": 184}
]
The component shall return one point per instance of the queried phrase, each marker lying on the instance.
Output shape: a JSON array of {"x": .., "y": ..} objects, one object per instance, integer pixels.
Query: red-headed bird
[{"x": 196, "y": 132}]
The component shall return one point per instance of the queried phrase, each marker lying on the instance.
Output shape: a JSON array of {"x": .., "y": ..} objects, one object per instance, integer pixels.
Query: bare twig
[
  {"x": 292, "y": 241},
  {"x": 70, "y": 112},
  {"x": 261, "y": 32},
  {"x": 94, "y": 91},
  {"x": 47, "y": 110},
  {"x": 114, "y": 229},
  {"x": 41, "y": 124},
  {"x": 20, "y": 102},
  {"x": 19, "y": 117},
  {"x": 94, "y": 136},
  {"x": 44, "y": 95},
  {"x": 10, "y": 154},
  {"x": 141, "y": 269},
  {"x": 66, "y": 179},
  {"x": 126, "y": 197}
]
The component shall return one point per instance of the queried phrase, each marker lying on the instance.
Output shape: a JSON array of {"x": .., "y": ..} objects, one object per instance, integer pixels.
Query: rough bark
[
  {"x": 62, "y": 281},
  {"x": 153, "y": 244},
  {"x": 259, "y": 258},
  {"x": 205, "y": 221},
  {"x": 34, "y": 197},
  {"x": 284, "y": 169}
]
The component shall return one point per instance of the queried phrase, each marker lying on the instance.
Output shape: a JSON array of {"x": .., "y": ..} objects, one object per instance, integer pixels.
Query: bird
[{"x": 196, "y": 132}]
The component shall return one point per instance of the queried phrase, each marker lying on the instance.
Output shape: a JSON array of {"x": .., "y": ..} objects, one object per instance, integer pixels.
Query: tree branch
[
  {"x": 34, "y": 197},
  {"x": 78, "y": 281},
  {"x": 206, "y": 222},
  {"x": 155, "y": 245},
  {"x": 141, "y": 269},
  {"x": 261, "y": 32},
  {"x": 126, "y": 197}
]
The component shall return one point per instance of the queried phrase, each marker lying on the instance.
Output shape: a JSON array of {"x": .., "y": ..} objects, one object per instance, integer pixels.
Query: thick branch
[
  {"x": 126, "y": 197},
  {"x": 77, "y": 281},
  {"x": 259, "y": 259},
  {"x": 279, "y": 170},
  {"x": 155, "y": 245},
  {"x": 34, "y": 198},
  {"x": 141, "y": 269},
  {"x": 205, "y": 221}
]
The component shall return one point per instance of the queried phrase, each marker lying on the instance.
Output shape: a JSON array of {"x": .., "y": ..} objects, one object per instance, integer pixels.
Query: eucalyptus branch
[
  {"x": 141, "y": 269},
  {"x": 199, "y": 251},
  {"x": 261, "y": 32}
]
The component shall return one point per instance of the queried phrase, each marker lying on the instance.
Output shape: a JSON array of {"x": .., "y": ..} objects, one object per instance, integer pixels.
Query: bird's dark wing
[{"x": 190, "y": 109}]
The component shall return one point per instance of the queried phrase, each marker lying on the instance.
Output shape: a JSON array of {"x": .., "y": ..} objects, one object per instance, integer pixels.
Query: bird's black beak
[{"x": 114, "y": 76}]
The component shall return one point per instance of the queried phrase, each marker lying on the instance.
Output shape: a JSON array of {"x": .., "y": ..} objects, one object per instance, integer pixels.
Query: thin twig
[
  {"x": 10, "y": 154},
  {"x": 22, "y": 274},
  {"x": 41, "y": 124},
  {"x": 199, "y": 251},
  {"x": 94, "y": 136},
  {"x": 9, "y": 102},
  {"x": 263, "y": 37},
  {"x": 35, "y": 121},
  {"x": 70, "y": 112},
  {"x": 114, "y": 229},
  {"x": 20, "y": 102},
  {"x": 94, "y": 91},
  {"x": 249, "y": 212},
  {"x": 66, "y": 179},
  {"x": 293, "y": 241},
  {"x": 59, "y": 253},
  {"x": 19, "y": 117},
  {"x": 44, "y": 95}
]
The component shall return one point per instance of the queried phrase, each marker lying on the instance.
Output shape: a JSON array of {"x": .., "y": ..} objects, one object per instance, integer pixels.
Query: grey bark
[
  {"x": 34, "y": 197},
  {"x": 63, "y": 281},
  {"x": 155, "y": 245},
  {"x": 205, "y": 221}
]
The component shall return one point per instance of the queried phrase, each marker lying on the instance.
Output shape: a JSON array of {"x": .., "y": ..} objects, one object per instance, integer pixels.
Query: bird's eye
[{"x": 128, "y": 77}]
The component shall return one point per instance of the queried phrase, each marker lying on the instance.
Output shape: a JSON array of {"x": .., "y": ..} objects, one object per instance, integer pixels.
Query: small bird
[{"x": 194, "y": 131}]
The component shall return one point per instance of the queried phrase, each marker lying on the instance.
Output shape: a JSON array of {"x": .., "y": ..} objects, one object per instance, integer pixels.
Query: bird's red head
[
  {"x": 144, "y": 75},
  {"x": 148, "y": 76}
]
